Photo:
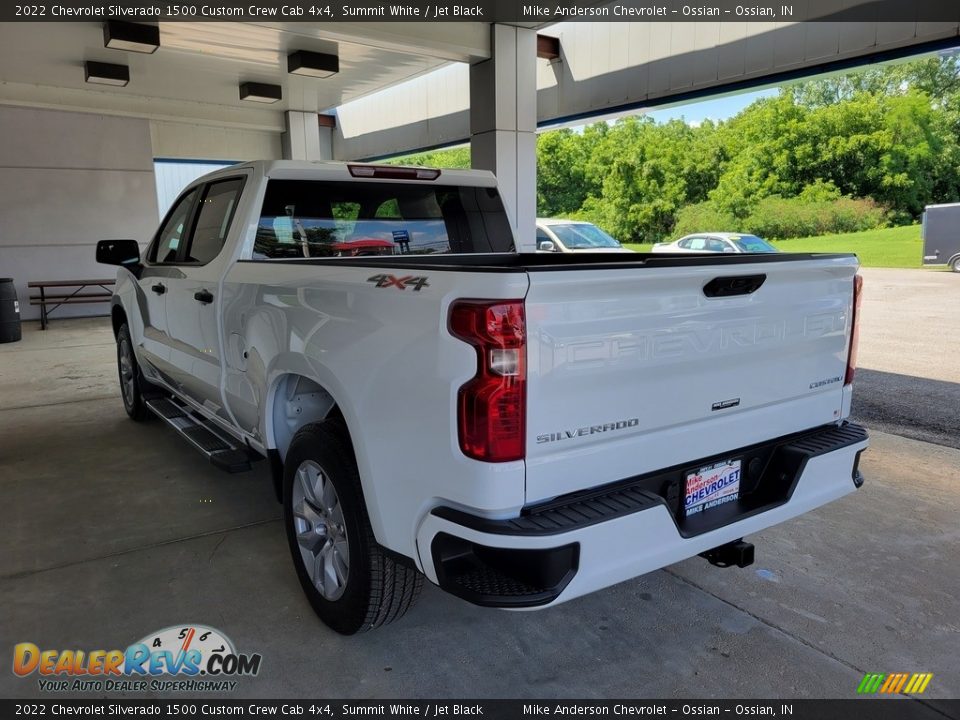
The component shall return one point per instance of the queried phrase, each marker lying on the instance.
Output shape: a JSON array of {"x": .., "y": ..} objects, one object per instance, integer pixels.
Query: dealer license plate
[{"x": 712, "y": 486}]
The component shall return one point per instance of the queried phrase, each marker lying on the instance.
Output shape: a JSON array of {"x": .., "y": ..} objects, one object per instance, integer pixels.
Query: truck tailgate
[{"x": 634, "y": 369}]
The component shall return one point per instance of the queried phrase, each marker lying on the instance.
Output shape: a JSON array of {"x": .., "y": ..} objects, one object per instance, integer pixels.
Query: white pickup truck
[{"x": 521, "y": 429}]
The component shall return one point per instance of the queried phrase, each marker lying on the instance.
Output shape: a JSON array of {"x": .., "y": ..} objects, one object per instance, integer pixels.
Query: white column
[
  {"x": 326, "y": 143},
  {"x": 503, "y": 124},
  {"x": 302, "y": 139}
]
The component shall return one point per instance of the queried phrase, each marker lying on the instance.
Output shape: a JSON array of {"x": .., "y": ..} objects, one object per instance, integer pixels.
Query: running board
[{"x": 222, "y": 452}]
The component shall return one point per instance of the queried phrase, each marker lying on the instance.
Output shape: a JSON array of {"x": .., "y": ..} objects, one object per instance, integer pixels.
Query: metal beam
[{"x": 548, "y": 47}]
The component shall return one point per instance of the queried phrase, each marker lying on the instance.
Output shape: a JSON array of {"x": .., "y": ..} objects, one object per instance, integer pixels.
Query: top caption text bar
[{"x": 503, "y": 11}]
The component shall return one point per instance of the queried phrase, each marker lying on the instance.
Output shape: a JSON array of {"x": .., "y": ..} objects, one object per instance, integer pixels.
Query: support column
[
  {"x": 503, "y": 124},
  {"x": 302, "y": 139}
]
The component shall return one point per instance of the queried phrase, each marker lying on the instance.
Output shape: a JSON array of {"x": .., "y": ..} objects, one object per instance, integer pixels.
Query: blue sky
[{"x": 714, "y": 108}]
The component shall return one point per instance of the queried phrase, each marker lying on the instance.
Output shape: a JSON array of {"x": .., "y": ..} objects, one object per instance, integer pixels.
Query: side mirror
[
  {"x": 546, "y": 246},
  {"x": 118, "y": 252}
]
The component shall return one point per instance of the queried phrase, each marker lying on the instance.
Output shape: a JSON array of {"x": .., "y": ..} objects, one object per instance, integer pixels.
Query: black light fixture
[
  {"x": 106, "y": 73},
  {"x": 313, "y": 64},
  {"x": 134, "y": 37},
  {"x": 260, "y": 92}
]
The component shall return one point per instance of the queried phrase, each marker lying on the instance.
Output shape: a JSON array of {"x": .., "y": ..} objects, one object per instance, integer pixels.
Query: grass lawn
[{"x": 898, "y": 247}]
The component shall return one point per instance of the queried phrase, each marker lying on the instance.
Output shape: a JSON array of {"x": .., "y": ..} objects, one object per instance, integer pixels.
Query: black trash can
[{"x": 9, "y": 312}]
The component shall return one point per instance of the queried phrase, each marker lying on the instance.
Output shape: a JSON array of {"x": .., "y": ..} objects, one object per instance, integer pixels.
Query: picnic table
[{"x": 68, "y": 292}]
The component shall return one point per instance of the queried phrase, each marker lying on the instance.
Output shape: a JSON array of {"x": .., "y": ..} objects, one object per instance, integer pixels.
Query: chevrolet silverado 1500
[{"x": 521, "y": 429}]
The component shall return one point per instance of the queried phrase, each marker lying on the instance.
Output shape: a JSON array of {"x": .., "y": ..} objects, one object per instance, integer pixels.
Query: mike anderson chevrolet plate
[{"x": 712, "y": 486}]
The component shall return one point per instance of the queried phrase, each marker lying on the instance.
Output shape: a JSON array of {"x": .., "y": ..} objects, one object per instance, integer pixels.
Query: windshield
[
  {"x": 752, "y": 244},
  {"x": 583, "y": 236}
]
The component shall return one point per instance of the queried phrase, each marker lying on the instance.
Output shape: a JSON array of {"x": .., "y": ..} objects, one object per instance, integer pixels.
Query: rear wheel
[
  {"x": 351, "y": 583},
  {"x": 955, "y": 264},
  {"x": 131, "y": 381}
]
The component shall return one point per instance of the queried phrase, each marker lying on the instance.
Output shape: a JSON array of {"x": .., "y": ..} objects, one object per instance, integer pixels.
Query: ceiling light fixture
[
  {"x": 313, "y": 64},
  {"x": 260, "y": 92},
  {"x": 106, "y": 73},
  {"x": 134, "y": 37}
]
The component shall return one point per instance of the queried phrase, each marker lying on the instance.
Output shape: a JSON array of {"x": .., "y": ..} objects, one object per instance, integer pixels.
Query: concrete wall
[
  {"x": 209, "y": 142},
  {"x": 66, "y": 181},
  {"x": 172, "y": 177}
]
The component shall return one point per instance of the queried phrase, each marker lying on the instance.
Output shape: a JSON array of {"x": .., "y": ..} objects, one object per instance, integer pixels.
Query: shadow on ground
[{"x": 913, "y": 407}]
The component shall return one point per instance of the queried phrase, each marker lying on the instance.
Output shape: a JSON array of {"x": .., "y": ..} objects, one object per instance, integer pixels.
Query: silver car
[
  {"x": 716, "y": 243},
  {"x": 574, "y": 236}
]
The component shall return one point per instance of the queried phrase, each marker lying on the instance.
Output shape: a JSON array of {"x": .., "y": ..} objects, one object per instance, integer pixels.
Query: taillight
[
  {"x": 854, "y": 329},
  {"x": 491, "y": 407}
]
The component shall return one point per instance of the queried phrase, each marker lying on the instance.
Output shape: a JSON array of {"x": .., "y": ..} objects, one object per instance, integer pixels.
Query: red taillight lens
[
  {"x": 854, "y": 329},
  {"x": 491, "y": 407}
]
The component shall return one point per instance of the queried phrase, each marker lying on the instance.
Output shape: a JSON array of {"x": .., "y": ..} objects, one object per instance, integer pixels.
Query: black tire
[
  {"x": 131, "y": 386},
  {"x": 955, "y": 264},
  {"x": 376, "y": 589}
]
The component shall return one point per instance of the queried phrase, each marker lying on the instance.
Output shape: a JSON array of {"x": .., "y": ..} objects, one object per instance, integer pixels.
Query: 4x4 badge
[{"x": 403, "y": 283}]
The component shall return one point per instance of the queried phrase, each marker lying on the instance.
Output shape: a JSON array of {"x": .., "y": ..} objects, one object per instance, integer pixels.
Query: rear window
[{"x": 310, "y": 219}]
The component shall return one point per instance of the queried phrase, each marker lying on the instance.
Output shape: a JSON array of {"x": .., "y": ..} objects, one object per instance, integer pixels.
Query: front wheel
[
  {"x": 349, "y": 580},
  {"x": 130, "y": 378},
  {"x": 955, "y": 264}
]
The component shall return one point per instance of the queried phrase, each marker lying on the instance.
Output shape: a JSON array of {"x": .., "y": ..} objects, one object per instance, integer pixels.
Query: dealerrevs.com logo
[{"x": 184, "y": 658}]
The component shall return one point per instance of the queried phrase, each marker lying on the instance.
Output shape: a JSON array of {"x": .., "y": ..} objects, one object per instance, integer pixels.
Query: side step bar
[{"x": 222, "y": 452}]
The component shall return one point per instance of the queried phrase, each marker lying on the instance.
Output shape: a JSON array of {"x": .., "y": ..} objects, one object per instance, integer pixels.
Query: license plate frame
[{"x": 711, "y": 486}]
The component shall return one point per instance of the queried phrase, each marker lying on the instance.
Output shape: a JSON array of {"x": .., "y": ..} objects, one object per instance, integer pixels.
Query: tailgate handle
[{"x": 736, "y": 285}]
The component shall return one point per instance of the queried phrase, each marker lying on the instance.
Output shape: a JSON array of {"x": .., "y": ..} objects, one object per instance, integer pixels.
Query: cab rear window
[{"x": 303, "y": 219}]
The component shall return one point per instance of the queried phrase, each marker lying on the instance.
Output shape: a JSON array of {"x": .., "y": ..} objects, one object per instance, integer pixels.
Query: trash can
[{"x": 9, "y": 312}]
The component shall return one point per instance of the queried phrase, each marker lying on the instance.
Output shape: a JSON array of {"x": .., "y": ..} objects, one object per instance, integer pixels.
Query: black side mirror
[{"x": 118, "y": 252}]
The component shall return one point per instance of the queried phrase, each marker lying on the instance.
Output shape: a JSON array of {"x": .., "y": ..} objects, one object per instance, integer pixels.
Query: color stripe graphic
[{"x": 894, "y": 683}]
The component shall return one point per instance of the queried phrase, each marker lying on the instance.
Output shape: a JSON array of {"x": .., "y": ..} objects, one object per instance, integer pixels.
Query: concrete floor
[
  {"x": 113, "y": 529},
  {"x": 910, "y": 354}
]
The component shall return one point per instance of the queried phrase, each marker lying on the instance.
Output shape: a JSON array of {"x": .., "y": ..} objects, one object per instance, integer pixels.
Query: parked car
[
  {"x": 572, "y": 236},
  {"x": 716, "y": 243},
  {"x": 521, "y": 429}
]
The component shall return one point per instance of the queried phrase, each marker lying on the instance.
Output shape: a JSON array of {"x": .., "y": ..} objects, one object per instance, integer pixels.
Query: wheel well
[
  {"x": 118, "y": 317},
  {"x": 297, "y": 401}
]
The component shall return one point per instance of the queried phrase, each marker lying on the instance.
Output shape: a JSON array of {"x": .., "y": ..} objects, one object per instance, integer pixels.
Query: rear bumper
[{"x": 575, "y": 545}]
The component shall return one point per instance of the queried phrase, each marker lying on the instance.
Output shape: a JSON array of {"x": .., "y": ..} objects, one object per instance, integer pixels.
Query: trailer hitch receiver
[{"x": 737, "y": 553}]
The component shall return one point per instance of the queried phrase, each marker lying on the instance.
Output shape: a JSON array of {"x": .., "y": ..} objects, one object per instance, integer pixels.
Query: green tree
[
  {"x": 457, "y": 158},
  {"x": 938, "y": 77},
  {"x": 641, "y": 173},
  {"x": 562, "y": 158}
]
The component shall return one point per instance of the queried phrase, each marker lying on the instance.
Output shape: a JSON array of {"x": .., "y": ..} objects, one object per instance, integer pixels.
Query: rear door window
[
  {"x": 213, "y": 220},
  {"x": 310, "y": 219}
]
